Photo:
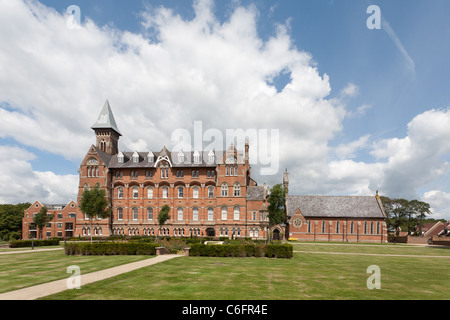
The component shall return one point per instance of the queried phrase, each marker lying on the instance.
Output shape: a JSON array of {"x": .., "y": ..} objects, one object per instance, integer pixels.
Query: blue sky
[{"x": 383, "y": 126}]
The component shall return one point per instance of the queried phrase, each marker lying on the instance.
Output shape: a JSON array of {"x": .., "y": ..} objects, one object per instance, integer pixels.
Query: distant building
[{"x": 334, "y": 218}]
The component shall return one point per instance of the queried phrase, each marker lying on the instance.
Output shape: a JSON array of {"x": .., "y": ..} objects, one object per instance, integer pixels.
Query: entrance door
[
  {"x": 276, "y": 234},
  {"x": 210, "y": 232}
]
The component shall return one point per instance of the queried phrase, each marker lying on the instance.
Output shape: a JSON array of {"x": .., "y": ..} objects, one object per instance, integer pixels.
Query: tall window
[
  {"x": 211, "y": 192},
  {"x": 337, "y": 226},
  {"x": 323, "y": 226},
  {"x": 195, "y": 214},
  {"x": 224, "y": 213},
  {"x": 150, "y": 193},
  {"x": 120, "y": 213},
  {"x": 165, "y": 192},
  {"x": 180, "y": 214},
  {"x": 237, "y": 190},
  {"x": 210, "y": 214},
  {"x": 224, "y": 190},
  {"x": 378, "y": 227},
  {"x": 135, "y": 192},
  {"x": 120, "y": 193},
  {"x": 180, "y": 192},
  {"x": 365, "y": 227},
  {"x": 150, "y": 213},
  {"x": 236, "y": 213},
  {"x": 135, "y": 213},
  {"x": 195, "y": 192}
]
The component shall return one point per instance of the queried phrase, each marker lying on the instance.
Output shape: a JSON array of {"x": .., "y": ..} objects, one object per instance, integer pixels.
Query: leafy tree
[
  {"x": 94, "y": 204},
  {"x": 163, "y": 215},
  {"x": 41, "y": 219},
  {"x": 404, "y": 213},
  {"x": 11, "y": 220},
  {"x": 420, "y": 210},
  {"x": 277, "y": 212}
]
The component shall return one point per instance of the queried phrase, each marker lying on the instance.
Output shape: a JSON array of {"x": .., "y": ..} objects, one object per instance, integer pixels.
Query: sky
[{"x": 346, "y": 108}]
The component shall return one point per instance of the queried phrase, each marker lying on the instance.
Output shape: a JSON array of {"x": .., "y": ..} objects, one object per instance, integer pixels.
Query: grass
[
  {"x": 23, "y": 270},
  {"x": 306, "y": 276}
]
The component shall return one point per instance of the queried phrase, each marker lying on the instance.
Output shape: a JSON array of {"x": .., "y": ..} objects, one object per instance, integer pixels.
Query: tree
[
  {"x": 94, "y": 204},
  {"x": 420, "y": 210},
  {"x": 404, "y": 213},
  {"x": 163, "y": 215},
  {"x": 11, "y": 216},
  {"x": 277, "y": 212},
  {"x": 41, "y": 219}
]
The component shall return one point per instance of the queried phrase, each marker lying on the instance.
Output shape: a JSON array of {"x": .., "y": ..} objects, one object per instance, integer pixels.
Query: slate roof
[
  {"x": 335, "y": 206},
  {"x": 106, "y": 119},
  {"x": 255, "y": 193}
]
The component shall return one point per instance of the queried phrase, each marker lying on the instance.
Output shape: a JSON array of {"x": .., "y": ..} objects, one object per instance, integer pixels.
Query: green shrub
[
  {"x": 36, "y": 243},
  {"x": 246, "y": 250},
  {"x": 110, "y": 248}
]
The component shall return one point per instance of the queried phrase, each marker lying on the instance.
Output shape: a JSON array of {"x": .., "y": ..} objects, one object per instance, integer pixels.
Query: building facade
[
  {"x": 334, "y": 218},
  {"x": 210, "y": 193}
]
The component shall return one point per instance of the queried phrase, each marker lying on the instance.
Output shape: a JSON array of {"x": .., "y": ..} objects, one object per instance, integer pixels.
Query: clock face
[
  {"x": 230, "y": 160},
  {"x": 297, "y": 223}
]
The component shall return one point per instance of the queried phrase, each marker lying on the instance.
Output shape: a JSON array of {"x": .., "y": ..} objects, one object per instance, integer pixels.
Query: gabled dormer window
[
  {"x": 120, "y": 157},
  {"x": 196, "y": 157},
  {"x": 180, "y": 157},
  {"x": 135, "y": 157},
  {"x": 151, "y": 157},
  {"x": 211, "y": 157}
]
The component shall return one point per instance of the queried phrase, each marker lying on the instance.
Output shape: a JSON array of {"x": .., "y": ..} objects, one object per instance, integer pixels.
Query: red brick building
[
  {"x": 334, "y": 218},
  {"x": 210, "y": 193}
]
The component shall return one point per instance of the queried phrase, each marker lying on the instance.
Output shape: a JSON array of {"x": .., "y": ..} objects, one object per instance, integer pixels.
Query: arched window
[
  {"x": 150, "y": 192},
  {"x": 236, "y": 213},
  {"x": 224, "y": 190},
  {"x": 323, "y": 226},
  {"x": 195, "y": 214},
  {"x": 135, "y": 192},
  {"x": 237, "y": 189},
  {"x": 195, "y": 192},
  {"x": 211, "y": 192},
  {"x": 352, "y": 230},
  {"x": 120, "y": 213},
  {"x": 378, "y": 227},
  {"x": 180, "y": 192},
  {"x": 149, "y": 213},
  {"x": 210, "y": 214},
  {"x": 371, "y": 227},
  {"x": 120, "y": 193},
  {"x": 365, "y": 227},
  {"x": 180, "y": 214},
  {"x": 135, "y": 213},
  {"x": 337, "y": 226},
  {"x": 224, "y": 213},
  {"x": 165, "y": 192}
]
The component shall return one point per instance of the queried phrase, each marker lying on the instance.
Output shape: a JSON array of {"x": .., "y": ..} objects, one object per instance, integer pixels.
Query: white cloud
[
  {"x": 177, "y": 71},
  {"x": 439, "y": 203},
  {"x": 22, "y": 184}
]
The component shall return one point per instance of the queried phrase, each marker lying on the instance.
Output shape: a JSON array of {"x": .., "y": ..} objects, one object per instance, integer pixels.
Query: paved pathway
[
  {"x": 30, "y": 250},
  {"x": 49, "y": 288}
]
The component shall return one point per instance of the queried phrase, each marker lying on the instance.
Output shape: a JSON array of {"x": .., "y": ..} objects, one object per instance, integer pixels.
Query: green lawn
[
  {"x": 306, "y": 276},
  {"x": 23, "y": 270}
]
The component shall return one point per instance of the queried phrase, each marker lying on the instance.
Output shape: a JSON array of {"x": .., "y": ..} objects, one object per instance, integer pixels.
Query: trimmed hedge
[
  {"x": 245, "y": 250},
  {"x": 36, "y": 243},
  {"x": 110, "y": 248}
]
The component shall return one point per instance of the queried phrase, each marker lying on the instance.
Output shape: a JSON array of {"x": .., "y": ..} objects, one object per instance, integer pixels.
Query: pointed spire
[{"x": 106, "y": 119}]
